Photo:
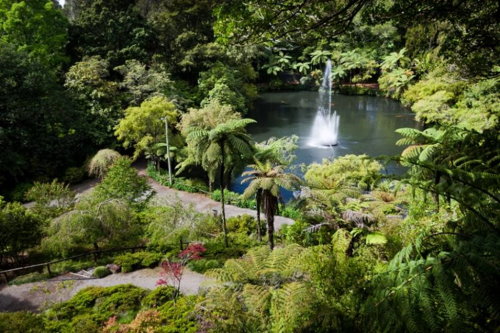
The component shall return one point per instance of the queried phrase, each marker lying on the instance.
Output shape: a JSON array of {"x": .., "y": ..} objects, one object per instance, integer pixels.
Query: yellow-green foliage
[
  {"x": 21, "y": 322},
  {"x": 271, "y": 286},
  {"x": 437, "y": 80},
  {"x": 102, "y": 162},
  {"x": 132, "y": 261},
  {"x": 93, "y": 306},
  {"x": 445, "y": 98},
  {"x": 348, "y": 170},
  {"x": 479, "y": 107},
  {"x": 143, "y": 126},
  {"x": 170, "y": 317}
]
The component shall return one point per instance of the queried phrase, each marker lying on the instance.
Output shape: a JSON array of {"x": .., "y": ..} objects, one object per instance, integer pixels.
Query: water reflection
[{"x": 367, "y": 124}]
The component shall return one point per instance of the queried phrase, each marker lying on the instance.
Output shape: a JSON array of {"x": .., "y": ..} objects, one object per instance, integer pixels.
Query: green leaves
[
  {"x": 144, "y": 126},
  {"x": 376, "y": 238}
]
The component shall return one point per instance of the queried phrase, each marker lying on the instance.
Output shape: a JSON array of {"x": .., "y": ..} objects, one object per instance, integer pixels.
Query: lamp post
[{"x": 168, "y": 151}]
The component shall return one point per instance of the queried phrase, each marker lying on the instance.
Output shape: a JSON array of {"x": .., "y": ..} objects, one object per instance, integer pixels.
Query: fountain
[{"x": 326, "y": 124}]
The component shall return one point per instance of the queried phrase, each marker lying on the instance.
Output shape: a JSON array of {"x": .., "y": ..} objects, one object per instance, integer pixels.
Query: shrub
[
  {"x": 28, "y": 278},
  {"x": 245, "y": 224},
  {"x": 297, "y": 233},
  {"x": 21, "y": 322},
  {"x": 19, "y": 192},
  {"x": 92, "y": 306},
  {"x": 170, "y": 317},
  {"x": 133, "y": 261},
  {"x": 290, "y": 212},
  {"x": 178, "y": 183},
  {"x": 203, "y": 265},
  {"x": 51, "y": 199},
  {"x": 159, "y": 296},
  {"x": 233, "y": 198},
  {"x": 100, "y": 272},
  {"x": 123, "y": 182},
  {"x": 216, "y": 249},
  {"x": 74, "y": 175},
  {"x": 102, "y": 162},
  {"x": 179, "y": 316}
]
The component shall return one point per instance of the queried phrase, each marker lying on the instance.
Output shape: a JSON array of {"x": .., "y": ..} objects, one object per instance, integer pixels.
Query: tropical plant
[
  {"x": 277, "y": 150},
  {"x": 396, "y": 81},
  {"x": 265, "y": 181},
  {"x": 271, "y": 287},
  {"x": 277, "y": 63},
  {"x": 217, "y": 146},
  {"x": 319, "y": 57},
  {"x": 302, "y": 67},
  {"x": 394, "y": 60},
  {"x": 101, "y": 162}
]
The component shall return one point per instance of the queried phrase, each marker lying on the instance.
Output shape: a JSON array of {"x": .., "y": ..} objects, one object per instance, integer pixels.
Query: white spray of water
[{"x": 325, "y": 128}]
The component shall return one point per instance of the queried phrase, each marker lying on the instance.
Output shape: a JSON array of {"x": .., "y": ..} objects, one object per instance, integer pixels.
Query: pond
[{"x": 367, "y": 125}]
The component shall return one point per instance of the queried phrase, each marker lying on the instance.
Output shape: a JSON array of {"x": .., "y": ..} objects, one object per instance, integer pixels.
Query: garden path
[
  {"x": 37, "y": 296},
  {"x": 200, "y": 202},
  {"x": 165, "y": 195}
]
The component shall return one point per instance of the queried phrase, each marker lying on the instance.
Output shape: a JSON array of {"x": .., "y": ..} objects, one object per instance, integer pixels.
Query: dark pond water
[{"x": 367, "y": 125}]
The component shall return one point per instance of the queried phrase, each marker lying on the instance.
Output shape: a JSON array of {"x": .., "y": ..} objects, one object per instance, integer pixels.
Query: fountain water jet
[{"x": 326, "y": 124}]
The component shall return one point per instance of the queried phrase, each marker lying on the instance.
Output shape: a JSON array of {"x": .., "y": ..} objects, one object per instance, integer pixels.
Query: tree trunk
[
  {"x": 258, "y": 200},
  {"x": 96, "y": 248},
  {"x": 270, "y": 229},
  {"x": 270, "y": 203},
  {"x": 224, "y": 228}
]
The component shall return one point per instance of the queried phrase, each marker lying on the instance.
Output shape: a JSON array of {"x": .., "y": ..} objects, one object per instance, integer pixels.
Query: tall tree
[
  {"x": 144, "y": 127},
  {"x": 266, "y": 180},
  {"x": 112, "y": 29},
  {"x": 37, "y": 27},
  {"x": 217, "y": 144},
  {"x": 21, "y": 230},
  {"x": 41, "y": 131}
]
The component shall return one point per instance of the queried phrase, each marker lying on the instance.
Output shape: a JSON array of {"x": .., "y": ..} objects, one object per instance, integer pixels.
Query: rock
[{"x": 114, "y": 268}]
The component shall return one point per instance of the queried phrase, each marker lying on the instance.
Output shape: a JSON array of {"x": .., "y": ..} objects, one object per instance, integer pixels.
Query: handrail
[{"x": 70, "y": 258}]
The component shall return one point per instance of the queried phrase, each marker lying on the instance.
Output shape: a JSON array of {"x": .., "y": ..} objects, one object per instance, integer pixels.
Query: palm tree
[
  {"x": 220, "y": 148},
  {"x": 266, "y": 180}
]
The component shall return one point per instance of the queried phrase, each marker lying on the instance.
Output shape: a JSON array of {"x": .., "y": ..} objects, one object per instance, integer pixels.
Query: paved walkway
[
  {"x": 200, "y": 202},
  {"x": 37, "y": 296},
  {"x": 204, "y": 204}
]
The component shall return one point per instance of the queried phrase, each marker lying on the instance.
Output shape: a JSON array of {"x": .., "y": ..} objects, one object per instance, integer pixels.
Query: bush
[
  {"x": 203, "y": 265},
  {"x": 290, "y": 212},
  {"x": 245, "y": 224},
  {"x": 21, "y": 322},
  {"x": 133, "y": 261},
  {"x": 180, "y": 316},
  {"x": 217, "y": 250},
  {"x": 28, "y": 278},
  {"x": 297, "y": 233},
  {"x": 19, "y": 192},
  {"x": 100, "y": 272},
  {"x": 74, "y": 175},
  {"x": 179, "y": 183},
  {"x": 233, "y": 198},
  {"x": 92, "y": 306},
  {"x": 170, "y": 317},
  {"x": 159, "y": 296}
]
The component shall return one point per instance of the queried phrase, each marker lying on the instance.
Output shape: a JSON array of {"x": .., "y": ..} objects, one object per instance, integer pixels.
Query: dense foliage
[{"x": 368, "y": 252}]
